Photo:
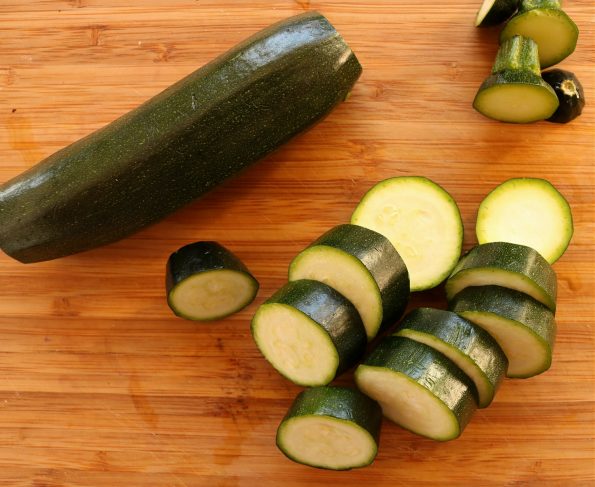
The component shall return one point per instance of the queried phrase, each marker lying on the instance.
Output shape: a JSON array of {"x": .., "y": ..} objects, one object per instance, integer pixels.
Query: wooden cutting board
[{"x": 100, "y": 385}]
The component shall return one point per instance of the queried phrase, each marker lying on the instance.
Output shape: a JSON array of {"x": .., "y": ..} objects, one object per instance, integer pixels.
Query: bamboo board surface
[{"x": 100, "y": 385}]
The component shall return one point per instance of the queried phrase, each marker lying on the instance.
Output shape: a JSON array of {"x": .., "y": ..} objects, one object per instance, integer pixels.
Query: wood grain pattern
[{"x": 100, "y": 385}]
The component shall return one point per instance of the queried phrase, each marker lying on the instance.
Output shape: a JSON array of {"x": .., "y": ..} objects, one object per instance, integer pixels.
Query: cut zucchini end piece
[
  {"x": 486, "y": 276},
  {"x": 346, "y": 274},
  {"x": 528, "y": 354},
  {"x": 295, "y": 345},
  {"x": 326, "y": 442},
  {"x": 552, "y": 29},
  {"x": 527, "y": 211},
  {"x": 421, "y": 220},
  {"x": 212, "y": 295},
  {"x": 407, "y": 403},
  {"x": 515, "y": 102},
  {"x": 485, "y": 389},
  {"x": 494, "y": 12}
]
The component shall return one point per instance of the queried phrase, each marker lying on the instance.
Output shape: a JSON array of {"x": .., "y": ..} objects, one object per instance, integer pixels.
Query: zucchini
[
  {"x": 515, "y": 91},
  {"x": 329, "y": 427},
  {"x": 526, "y": 211},
  {"x": 205, "y": 281},
  {"x": 508, "y": 265},
  {"x": 523, "y": 327},
  {"x": 570, "y": 94},
  {"x": 494, "y": 12},
  {"x": 179, "y": 144},
  {"x": 471, "y": 348},
  {"x": 421, "y": 220},
  {"x": 309, "y": 332},
  {"x": 548, "y": 25},
  {"x": 364, "y": 267},
  {"x": 418, "y": 388}
]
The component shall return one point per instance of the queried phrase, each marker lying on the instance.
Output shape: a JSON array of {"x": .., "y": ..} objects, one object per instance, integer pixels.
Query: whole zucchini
[{"x": 179, "y": 144}]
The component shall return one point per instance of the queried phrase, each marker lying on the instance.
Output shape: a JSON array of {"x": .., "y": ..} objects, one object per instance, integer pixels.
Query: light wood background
[{"x": 100, "y": 385}]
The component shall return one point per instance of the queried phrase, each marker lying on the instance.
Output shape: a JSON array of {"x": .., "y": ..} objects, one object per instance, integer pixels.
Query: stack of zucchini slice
[
  {"x": 538, "y": 35},
  {"x": 439, "y": 366}
]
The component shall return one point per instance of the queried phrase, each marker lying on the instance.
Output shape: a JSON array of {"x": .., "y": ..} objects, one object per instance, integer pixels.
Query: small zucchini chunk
[
  {"x": 523, "y": 327},
  {"x": 331, "y": 427},
  {"x": 421, "y": 220},
  {"x": 471, "y": 348},
  {"x": 548, "y": 25},
  {"x": 418, "y": 388},
  {"x": 309, "y": 332},
  {"x": 364, "y": 267},
  {"x": 508, "y": 265},
  {"x": 515, "y": 91},
  {"x": 526, "y": 211},
  {"x": 494, "y": 12},
  {"x": 570, "y": 94},
  {"x": 205, "y": 281}
]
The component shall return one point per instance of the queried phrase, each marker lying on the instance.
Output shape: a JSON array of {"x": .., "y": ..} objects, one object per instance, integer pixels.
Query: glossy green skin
[
  {"x": 200, "y": 257},
  {"x": 529, "y": 11},
  {"x": 381, "y": 259},
  {"x": 180, "y": 144},
  {"x": 337, "y": 402},
  {"x": 518, "y": 260},
  {"x": 501, "y": 11},
  {"x": 512, "y": 305},
  {"x": 430, "y": 369},
  {"x": 462, "y": 336},
  {"x": 570, "y": 94},
  {"x": 332, "y": 311}
]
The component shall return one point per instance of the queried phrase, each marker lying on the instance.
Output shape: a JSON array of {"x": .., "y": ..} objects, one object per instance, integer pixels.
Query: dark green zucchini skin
[
  {"x": 570, "y": 94},
  {"x": 501, "y": 11},
  {"x": 457, "y": 332},
  {"x": 333, "y": 312},
  {"x": 382, "y": 261},
  {"x": 429, "y": 369},
  {"x": 513, "y": 258},
  {"x": 201, "y": 257},
  {"x": 339, "y": 402},
  {"x": 180, "y": 144}
]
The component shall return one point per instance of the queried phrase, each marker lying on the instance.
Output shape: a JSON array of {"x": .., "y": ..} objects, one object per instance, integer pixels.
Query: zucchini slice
[
  {"x": 515, "y": 91},
  {"x": 570, "y": 94},
  {"x": 471, "y": 348},
  {"x": 309, "y": 332},
  {"x": 548, "y": 25},
  {"x": 418, "y": 388},
  {"x": 526, "y": 211},
  {"x": 508, "y": 265},
  {"x": 205, "y": 281},
  {"x": 181, "y": 143},
  {"x": 494, "y": 12},
  {"x": 364, "y": 267},
  {"x": 523, "y": 327},
  {"x": 331, "y": 427},
  {"x": 421, "y": 220}
]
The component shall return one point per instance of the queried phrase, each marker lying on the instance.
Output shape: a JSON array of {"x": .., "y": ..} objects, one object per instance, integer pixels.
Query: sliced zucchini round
[
  {"x": 421, "y": 220},
  {"x": 551, "y": 28},
  {"x": 418, "y": 388},
  {"x": 523, "y": 327},
  {"x": 526, "y": 211},
  {"x": 309, "y": 332},
  {"x": 331, "y": 427},
  {"x": 508, "y": 265},
  {"x": 471, "y": 348},
  {"x": 494, "y": 12},
  {"x": 206, "y": 281},
  {"x": 516, "y": 96},
  {"x": 364, "y": 267}
]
